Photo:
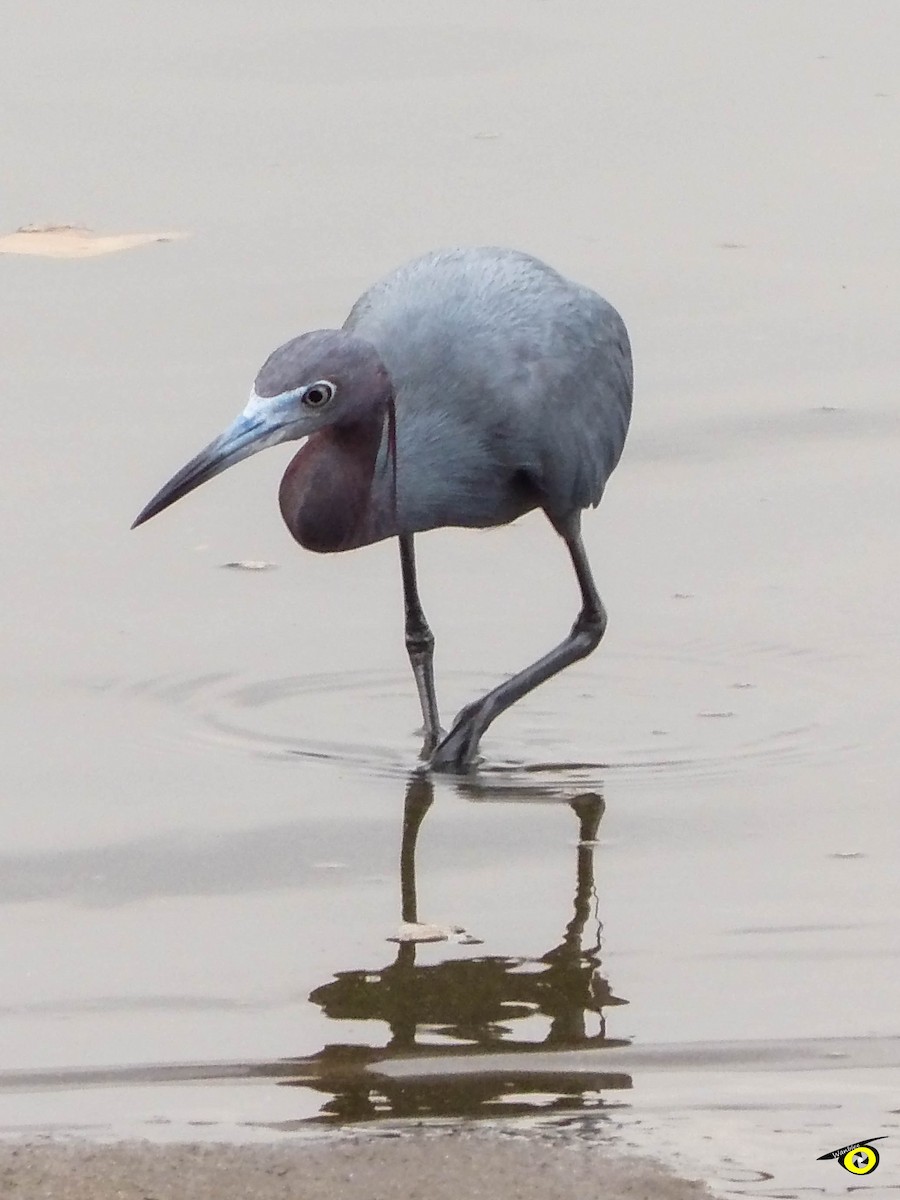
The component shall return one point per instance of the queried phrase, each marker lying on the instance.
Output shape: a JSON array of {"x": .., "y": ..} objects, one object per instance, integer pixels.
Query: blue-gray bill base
[{"x": 467, "y": 388}]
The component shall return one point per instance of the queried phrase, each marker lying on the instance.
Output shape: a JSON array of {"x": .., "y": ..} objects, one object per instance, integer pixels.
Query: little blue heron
[{"x": 466, "y": 388}]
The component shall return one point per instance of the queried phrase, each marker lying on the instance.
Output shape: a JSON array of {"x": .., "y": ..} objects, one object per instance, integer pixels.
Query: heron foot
[
  {"x": 456, "y": 750},
  {"x": 431, "y": 740}
]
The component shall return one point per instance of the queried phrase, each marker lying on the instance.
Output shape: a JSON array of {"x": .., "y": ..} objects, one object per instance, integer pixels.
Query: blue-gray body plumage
[{"x": 512, "y": 388}]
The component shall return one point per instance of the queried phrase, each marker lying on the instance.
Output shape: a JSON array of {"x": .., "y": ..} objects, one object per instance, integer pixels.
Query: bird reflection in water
[{"x": 461, "y": 1027}]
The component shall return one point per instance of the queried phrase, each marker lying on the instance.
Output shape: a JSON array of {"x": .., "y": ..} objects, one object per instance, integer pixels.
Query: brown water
[{"x": 209, "y": 774}]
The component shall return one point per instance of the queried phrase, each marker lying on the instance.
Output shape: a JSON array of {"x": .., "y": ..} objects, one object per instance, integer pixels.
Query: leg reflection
[{"x": 436, "y": 1003}]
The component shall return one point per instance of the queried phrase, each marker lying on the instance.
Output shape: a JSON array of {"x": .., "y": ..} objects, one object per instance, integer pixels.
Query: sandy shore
[{"x": 436, "y": 1166}]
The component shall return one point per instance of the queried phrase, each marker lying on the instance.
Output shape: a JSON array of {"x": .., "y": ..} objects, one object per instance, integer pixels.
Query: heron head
[{"x": 328, "y": 377}]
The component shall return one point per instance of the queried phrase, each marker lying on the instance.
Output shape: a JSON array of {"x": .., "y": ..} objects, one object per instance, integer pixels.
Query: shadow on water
[{"x": 450, "y": 1013}]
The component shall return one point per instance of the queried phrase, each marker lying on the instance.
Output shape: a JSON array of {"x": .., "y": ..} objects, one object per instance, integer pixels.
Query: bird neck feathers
[{"x": 325, "y": 495}]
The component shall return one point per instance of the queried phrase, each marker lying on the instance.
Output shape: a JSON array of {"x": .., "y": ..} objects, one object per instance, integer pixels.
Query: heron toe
[
  {"x": 457, "y": 750},
  {"x": 430, "y": 741}
]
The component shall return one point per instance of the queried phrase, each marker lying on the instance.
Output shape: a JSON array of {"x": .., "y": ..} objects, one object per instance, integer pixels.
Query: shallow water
[{"x": 669, "y": 891}]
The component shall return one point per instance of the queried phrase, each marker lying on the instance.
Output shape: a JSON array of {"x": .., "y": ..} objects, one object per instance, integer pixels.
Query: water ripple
[{"x": 707, "y": 712}]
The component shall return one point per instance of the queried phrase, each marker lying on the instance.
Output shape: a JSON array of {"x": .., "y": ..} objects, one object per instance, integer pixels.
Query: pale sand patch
[
  {"x": 74, "y": 241},
  {"x": 436, "y": 1166}
]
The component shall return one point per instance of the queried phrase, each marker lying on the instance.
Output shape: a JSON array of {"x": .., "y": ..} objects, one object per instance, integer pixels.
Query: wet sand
[
  {"x": 413, "y": 1167},
  {"x": 675, "y": 872}
]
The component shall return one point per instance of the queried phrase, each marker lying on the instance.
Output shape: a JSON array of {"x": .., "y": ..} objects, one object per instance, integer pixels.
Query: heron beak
[{"x": 247, "y": 435}]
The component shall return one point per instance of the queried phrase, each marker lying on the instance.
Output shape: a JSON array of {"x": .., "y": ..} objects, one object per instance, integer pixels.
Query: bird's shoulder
[
  {"x": 495, "y": 351},
  {"x": 487, "y": 312}
]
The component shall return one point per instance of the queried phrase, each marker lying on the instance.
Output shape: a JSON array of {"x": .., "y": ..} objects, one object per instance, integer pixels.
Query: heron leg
[
  {"x": 458, "y": 748},
  {"x": 419, "y": 646}
]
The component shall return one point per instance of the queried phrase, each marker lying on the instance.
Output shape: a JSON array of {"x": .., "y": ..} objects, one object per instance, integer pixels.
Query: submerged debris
[
  {"x": 419, "y": 931},
  {"x": 250, "y": 564}
]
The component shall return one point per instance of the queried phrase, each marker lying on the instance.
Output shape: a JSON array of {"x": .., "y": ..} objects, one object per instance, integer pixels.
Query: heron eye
[{"x": 319, "y": 393}]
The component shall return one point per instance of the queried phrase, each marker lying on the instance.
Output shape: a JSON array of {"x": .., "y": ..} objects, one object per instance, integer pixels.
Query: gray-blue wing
[
  {"x": 580, "y": 393},
  {"x": 501, "y": 365}
]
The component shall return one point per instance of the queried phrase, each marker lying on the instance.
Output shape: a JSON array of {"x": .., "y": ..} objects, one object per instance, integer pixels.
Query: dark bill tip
[
  {"x": 198, "y": 470},
  {"x": 244, "y": 438}
]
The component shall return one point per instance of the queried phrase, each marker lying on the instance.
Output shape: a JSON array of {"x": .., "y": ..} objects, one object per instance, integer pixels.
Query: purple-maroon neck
[{"x": 325, "y": 495}]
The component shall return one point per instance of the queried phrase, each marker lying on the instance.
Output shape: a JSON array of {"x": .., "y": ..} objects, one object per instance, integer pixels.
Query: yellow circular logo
[{"x": 860, "y": 1161}]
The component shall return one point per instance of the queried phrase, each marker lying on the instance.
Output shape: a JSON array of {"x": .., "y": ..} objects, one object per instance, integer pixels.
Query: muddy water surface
[{"x": 667, "y": 900}]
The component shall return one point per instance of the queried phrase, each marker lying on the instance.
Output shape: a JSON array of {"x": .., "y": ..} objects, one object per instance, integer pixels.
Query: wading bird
[{"x": 466, "y": 388}]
